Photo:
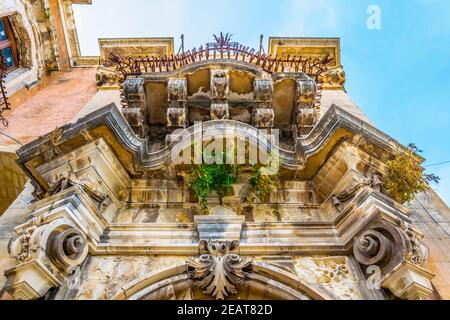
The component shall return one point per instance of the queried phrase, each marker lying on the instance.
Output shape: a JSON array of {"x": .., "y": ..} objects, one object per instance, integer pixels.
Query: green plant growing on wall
[
  {"x": 406, "y": 176},
  {"x": 261, "y": 185},
  {"x": 206, "y": 178},
  {"x": 261, "y": 180}
]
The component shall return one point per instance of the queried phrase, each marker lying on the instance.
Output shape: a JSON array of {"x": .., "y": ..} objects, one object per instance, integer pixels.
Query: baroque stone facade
[{"x": 108, "y": 211}]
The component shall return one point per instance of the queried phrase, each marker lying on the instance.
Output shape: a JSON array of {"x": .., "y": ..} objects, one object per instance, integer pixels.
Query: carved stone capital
[
  {"x": 409, "y": 282},
  {"x": 218, "y": 272}
]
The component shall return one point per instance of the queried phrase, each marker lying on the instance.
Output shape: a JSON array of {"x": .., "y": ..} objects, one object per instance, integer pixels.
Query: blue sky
[{"x": 399, "y": 75}]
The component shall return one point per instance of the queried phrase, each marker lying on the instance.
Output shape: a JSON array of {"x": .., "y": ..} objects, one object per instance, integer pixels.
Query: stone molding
[{"x": 334, "y": 119}]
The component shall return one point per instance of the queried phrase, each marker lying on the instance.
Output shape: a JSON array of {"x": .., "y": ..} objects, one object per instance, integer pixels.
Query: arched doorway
[{"x": 265, "y": 282}]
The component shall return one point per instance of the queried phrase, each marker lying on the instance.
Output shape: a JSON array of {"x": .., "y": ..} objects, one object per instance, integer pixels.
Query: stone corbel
[
  {"x": 219, "y": 111},
  {"x": 177, "y": 114},
  {"x": 47, "y": 254},
  {"x": 264, "y": 114},
  {"x": 135, "y": 112},
  {"x": 400, "y": 257},
  {"x": 219, "y": 94},
  {"x": 307, "y": 114},
  {"x": 334, "y": 78},
  {"x": 219, "y": 85}
]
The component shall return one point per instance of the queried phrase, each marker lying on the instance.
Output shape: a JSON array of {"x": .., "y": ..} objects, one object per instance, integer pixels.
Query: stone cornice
[{"x": 110, "y": 116}]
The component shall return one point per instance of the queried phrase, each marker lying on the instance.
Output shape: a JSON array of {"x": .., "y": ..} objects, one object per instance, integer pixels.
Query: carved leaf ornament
[{"x": 218, "y": 273}]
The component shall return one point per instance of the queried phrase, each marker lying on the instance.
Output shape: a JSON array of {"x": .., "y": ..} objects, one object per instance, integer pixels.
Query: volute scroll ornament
[
  {"x": 399, "y": 257},
  {"x": 47, "y": 254},
  {"x": 372, "y": 248},
  {"x": 67, "y": 249},
  {"x": 218, "y": 272}
]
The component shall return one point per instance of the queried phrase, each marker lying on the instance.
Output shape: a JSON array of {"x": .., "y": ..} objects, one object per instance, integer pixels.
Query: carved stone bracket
[
  {"x": 334, "y": 78},
  {"x": 399, "y": 255},
  {"x": 219, "y": 85},
  {"x": 177, "y": 112},
  {"x": 46, "y": 254},
  {"x": 218, "y": 272},
  {"x": 219, "y": 111},
  {"x": 307, "y": 114},
  {"x": 264, "y": 114},
  {"x": 135, "y": 112}
]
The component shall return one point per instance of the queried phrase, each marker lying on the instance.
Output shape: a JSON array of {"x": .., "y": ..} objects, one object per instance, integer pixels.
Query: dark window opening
[{"x": 8, "y": 47}]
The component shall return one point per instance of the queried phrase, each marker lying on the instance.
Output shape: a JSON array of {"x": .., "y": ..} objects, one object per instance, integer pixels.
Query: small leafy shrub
[
  {"x": 206, "y": 178},
  {"x": 406, "y": 176},
  {"x": 261, "y": 185}
]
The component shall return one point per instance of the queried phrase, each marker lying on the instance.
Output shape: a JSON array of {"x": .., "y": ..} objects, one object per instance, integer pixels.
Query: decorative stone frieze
[
  {"x": 400, "y": 257},
  {"x": 217, "y": 271}
]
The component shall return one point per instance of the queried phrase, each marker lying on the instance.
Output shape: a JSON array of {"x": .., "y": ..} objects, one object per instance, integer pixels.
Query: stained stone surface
[
  {"x": 335, "y": 274},
  {"x": 103, "y": 277}
]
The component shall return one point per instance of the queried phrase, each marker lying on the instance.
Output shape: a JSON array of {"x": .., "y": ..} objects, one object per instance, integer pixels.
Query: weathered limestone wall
[
  {"x": 103, "y": 277},
  {"x": 12, "y": 179},
  {"x": 432, "y": 217},
  {"x": 14, "y": 216}
]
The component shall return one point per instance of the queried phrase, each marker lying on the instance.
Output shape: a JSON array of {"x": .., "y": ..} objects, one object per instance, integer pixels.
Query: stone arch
[{"x": 264, "y": 282}]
